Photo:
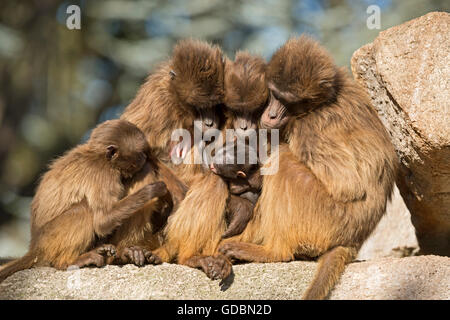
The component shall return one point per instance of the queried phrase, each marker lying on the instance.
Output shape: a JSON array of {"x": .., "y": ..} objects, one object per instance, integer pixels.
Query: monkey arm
[
  {"x": 238, "y": 186},
  {"x": 239, "y": 212},
  {"x": 334, "y": 160},
  {"x": 106, "y": 222},
  {"x": 256, "y": 180}
]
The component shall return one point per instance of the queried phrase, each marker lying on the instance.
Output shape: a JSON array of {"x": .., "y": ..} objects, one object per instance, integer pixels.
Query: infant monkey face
[{"x": 234, "y": 161}]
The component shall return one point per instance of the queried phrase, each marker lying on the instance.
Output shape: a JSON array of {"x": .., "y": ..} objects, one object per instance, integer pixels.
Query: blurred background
[{"x": 57, "y": 83}]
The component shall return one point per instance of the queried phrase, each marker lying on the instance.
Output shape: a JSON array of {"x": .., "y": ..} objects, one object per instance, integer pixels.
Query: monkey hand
[
  {"x": 216, "y": 267},
  {"x": 239, "y": 213},
  {"x": 138, "y": 256},
  {"x": 237, "y": 187},
  {"x": 153, "y": 190},
  {"x": 96, "y": 257}
]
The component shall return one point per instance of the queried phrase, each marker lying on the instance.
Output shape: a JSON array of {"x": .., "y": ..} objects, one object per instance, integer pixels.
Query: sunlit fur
[
  {"x": 245, "y": 84},
  {"x": 165, "y": 102},
  {"x": 83, "y": 197},
  {"x": 336, "y": 170},
  {"x": 169, "y": 101}
]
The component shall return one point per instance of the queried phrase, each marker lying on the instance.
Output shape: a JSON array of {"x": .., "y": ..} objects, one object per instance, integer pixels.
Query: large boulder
[
  {"x": 423, "y": 277},
  {"x": 406, "y": 72}
]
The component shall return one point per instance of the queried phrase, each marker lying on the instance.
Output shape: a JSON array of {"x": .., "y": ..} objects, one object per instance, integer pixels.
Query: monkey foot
[
  {"x": 234, "y": 251},
  {"x": 139, "y": 256},
  {"x": 107, "y": 250},
  {"x": 217, "y": 267},
  {"x": 96, "y": 257}
]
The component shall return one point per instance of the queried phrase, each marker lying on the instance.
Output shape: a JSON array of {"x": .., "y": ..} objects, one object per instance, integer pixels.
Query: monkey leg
[
  {"x": 105, "y": 224},
  {"x": 136, "y": 255},
  {"x": 331, "y": 266},
  {"x": 96, "y": 257},
  {"x": 249, "y": 252},
  {"x": 215, "y": 267}
]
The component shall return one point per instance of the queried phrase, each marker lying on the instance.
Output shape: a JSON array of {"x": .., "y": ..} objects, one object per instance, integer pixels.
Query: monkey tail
[
  {"x": 26, "y": 262},
  {"x": 331, "y": 266}
]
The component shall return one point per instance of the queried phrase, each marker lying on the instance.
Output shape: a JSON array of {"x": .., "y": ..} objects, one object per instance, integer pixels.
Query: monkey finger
[
  {"x": 152, "y": 258},
  {"x": 139, "y": 258},
  {"x": 107, "y": 250}
]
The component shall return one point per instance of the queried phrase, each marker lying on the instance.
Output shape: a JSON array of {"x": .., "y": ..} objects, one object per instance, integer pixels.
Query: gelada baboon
[
  {"x": 189, "y": 86},
  {"x": 196, "y": 243},
  {"x": 82, "y": 198},
  {"x": 336, "y": 169},
  {"x": 246, "y": 95},
  {"x": 244, "y": 183},
  {"x": 246, "y": 91}
]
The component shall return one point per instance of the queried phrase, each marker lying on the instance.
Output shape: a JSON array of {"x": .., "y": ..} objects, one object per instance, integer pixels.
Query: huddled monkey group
[{"x": 119, "y": 199}]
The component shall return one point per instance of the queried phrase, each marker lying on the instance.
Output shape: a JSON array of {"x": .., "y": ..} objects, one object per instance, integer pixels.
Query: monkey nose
[
  {"x": 208, "y": 122},
  {"x": 272, "y": 115},
  {"x": 243, "y": 125}
]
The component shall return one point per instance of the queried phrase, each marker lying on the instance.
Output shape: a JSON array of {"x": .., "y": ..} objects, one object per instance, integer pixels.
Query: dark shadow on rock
[{"x": 226, "y": 283}]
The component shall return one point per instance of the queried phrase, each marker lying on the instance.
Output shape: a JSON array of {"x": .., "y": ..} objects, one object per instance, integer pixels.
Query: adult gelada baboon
[
  {"x": 336, "y": 169},
  {"x": 189, "y": 86}
]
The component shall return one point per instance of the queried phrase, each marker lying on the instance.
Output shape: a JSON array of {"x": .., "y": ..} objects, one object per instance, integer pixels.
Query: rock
[
  {"x": 394, "y": 235},
  {"x": 406, "y": 71},
  {"x": 423, "y": 277}
]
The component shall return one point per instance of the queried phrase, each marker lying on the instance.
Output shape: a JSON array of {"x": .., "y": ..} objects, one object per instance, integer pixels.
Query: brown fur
[
  {"x": 336, "y": 168},
  {"x": 244, "y": 183},
  {"x": 246, "y": 91},
  {"x": 166, "y": 102},
  {"x": 83, "y": 198},
  {"x": 172, "y": 100}
]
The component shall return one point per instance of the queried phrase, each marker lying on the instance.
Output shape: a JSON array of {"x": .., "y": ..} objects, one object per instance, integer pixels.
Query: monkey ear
[
  {"x": 241, "y": 174},
  {"x": 111, "y": 151},
  {"x": 172, "y": 74}
]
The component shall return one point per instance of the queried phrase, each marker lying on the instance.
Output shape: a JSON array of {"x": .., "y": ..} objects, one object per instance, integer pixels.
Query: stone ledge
[{"x": 421, "y": 277}]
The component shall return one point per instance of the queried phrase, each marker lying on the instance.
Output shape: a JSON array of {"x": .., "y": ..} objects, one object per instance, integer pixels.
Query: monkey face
[
  {"x": 210, "y": 117},
  {"x": 244, "y": 120},
  {"x": 276, "y": 115},
  {"x": 197, "y": 80},
  {"x": 123, "y": 145},
  {"x": 227, "y": 161},
  {"x": 246, "y": 91}
]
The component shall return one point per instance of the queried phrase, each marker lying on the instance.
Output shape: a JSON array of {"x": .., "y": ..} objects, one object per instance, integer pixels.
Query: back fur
[{"x": 336, "y": 170}]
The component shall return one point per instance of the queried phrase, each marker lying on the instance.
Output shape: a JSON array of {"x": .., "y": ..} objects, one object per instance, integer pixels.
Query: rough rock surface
[
  {"x": 406, "y": 71},
  {"x": 422, "y": 277},
  {"x": 394, "y": 235}
]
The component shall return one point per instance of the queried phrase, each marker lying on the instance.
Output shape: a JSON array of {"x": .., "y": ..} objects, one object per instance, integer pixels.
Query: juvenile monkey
[
  {"x": 244, "y": 183},
  {"x": 337, "y": 168},
  {"x": 82, "y": 199}
]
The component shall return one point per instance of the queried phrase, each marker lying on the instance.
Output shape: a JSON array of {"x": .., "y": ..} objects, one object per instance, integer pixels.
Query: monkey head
[
  {"x": 234, "y": 162},
  {"x": 301, "y": 76},
  {"x": 122, "y": 144},
  {"x": 197, "y": 80},
  {"x": 246, "y": 91}
]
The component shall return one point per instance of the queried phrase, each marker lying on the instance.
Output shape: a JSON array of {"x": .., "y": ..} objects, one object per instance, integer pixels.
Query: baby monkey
[
  {"x": 82, "y": 199},
  {"x": 237, "y": 164}
]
